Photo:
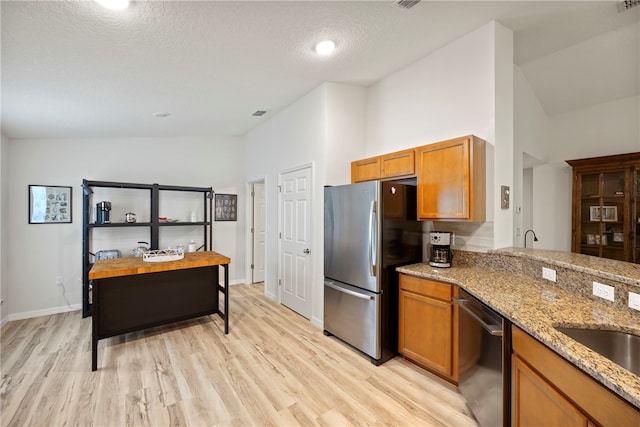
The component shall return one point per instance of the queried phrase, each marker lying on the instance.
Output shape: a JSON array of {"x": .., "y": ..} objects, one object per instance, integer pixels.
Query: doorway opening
[{"x": 258, "y": 228}]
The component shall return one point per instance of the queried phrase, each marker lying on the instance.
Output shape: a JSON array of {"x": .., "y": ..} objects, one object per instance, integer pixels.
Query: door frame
[
  {"x": 248, "y": 274},
  {"x": 312, "y": 199}
]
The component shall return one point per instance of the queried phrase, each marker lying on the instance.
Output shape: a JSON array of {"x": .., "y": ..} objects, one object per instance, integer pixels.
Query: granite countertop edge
[{"x": 536, "y": 307}]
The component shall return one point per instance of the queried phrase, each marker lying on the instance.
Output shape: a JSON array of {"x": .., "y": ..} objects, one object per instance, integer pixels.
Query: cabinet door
[
  {"x": 425, "y": 331},
  {"x": 536, "y": 403},
  {"x": 601, "y": 225},
  {"x": 635, "y": 217},
  {"x": 365, "y": 169},
  {"x": 451, "y": 180},
  {"x": 400, "y": 163}
]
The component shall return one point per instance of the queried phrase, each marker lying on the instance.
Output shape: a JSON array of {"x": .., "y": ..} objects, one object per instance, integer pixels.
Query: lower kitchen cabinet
[
  {"x": 537, "y": 403},
  {"x": 427, "y": 325},
  {"x": 547, "y": 390}
]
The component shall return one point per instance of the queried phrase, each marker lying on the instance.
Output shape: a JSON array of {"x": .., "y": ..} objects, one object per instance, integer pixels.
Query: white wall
[
  {"x": 325, "y": 128},
  {"x": 447, "y": 94},
  {"x": 4, "y": 195},
  {"x": 504, "y": 129},
  {"x": 531, "y": 137},
  {"x": 599, "y": 130},
  {"x": 345, "y": 127},
  {"x": 293, "y": 137},
  {"x": 40, "y": 252},
  {"x": 453, "y": 92}
]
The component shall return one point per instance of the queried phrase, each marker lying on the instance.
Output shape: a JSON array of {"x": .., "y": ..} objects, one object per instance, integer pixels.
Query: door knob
[{"x": 307, "y": 251}]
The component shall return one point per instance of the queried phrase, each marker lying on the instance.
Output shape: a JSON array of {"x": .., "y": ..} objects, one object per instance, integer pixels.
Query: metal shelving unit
[{"x": 154, "y": 225}]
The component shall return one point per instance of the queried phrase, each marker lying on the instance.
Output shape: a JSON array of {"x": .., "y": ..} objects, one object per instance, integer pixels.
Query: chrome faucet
[{"x": 535, "y": 239}]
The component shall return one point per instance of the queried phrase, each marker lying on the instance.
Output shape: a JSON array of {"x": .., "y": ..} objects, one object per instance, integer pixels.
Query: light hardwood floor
[{"x": 274, "y": 368}]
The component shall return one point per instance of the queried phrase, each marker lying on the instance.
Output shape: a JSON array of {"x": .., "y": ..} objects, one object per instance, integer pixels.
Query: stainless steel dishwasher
[{"x": 484, "y": 361}]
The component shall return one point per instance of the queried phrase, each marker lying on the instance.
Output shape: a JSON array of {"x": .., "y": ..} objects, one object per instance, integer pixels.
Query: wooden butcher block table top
[{"x": 130, "y": 266}]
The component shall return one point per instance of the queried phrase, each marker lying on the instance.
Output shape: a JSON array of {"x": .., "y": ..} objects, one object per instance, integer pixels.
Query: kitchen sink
[{"x": 620, "y": 347}]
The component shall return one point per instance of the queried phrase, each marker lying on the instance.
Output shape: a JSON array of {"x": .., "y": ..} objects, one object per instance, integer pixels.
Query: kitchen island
[
  {"x": 130, "y": 294},
  {"x": 509, "y": 281}
]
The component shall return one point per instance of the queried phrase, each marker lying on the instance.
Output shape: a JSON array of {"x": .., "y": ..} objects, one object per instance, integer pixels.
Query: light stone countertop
[{"x": 536, "y": 306}]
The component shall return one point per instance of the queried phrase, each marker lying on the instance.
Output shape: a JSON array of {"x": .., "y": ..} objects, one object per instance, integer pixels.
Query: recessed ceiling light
[
  {"x": 325, "y": 47},
  {"x": 114, "y": 4},
  {"x": 161, "y": 114}
]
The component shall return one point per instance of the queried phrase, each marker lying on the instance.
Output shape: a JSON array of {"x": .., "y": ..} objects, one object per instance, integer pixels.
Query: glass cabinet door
[
  {"x": 589, "y": 214},
  {"x": 602, "y": 215},
  {"x": 635, "y": 212}
]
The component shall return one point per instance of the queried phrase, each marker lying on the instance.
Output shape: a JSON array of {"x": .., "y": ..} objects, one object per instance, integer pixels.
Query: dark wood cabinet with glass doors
[{"x": 606, "y": 207}]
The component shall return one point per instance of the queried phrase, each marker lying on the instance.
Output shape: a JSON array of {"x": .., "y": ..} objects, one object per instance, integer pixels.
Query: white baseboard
[{"x": 45, "y": 312}]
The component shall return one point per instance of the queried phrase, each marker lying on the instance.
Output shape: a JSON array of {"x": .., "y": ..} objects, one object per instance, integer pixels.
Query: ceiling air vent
[
  {"x": 406, "y": 4},
  {"x": 627, "y": 4},
  {"x": 259, "y": 113}
]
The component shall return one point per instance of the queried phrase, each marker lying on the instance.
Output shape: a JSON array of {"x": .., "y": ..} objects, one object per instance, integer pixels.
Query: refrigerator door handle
[
  {"x": 373, "y": 238},
  {"x": 347, "y": 291}
]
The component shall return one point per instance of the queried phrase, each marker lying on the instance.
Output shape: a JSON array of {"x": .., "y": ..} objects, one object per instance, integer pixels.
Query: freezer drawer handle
[
  {"x": 494, "y": 330},
  {"x": 347, "y": 291}
]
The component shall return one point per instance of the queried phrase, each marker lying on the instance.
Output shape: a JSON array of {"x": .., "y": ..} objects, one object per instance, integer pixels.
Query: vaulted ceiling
[{"x": 74, "y": 69}]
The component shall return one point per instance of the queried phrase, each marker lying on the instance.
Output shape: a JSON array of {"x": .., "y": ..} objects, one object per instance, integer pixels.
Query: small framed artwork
[
  {"x": 594, "y": 213},
  {"x": 609, "y": 213},
  {"x": 591, "y": 239},
  {"x": 618, "y": 237},
  {"x": 226, "y": 207},
  {"x": 49, "y": 204}
]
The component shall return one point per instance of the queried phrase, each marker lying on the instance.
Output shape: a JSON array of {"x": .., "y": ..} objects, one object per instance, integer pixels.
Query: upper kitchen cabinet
[
  {"x": 397, "y": 164},
  {"x": 451, "y": 180},
  {"x": 606, "y": 207}
]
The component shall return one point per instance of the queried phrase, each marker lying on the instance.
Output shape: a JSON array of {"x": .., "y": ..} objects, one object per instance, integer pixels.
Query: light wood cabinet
[
  {"x": 606, "y": 207},
  {"x": 537, "y": 403},
  {"x": 548, "y": 390},
  {"x": 427, "y": 325},
  {"x": 365, "y": 169},
  {"x": 452, "y": 180},
  {"x": 397, "y": 164},
  {"x": 400, "y": 163}
]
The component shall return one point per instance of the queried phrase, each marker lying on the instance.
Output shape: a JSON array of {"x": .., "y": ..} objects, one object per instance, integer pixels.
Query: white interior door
[
  {"x": 296, "y": 240},
  {"x": 258, "y": 228}
]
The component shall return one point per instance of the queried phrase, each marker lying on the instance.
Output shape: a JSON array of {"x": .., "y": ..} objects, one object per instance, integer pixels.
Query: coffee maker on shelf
[
  {"x": 102, "y": 212},
  {"x": 441, "y": 253}
]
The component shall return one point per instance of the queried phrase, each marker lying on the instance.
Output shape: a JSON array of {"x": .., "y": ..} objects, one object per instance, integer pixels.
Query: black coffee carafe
[{"x": 102, "y": 212}]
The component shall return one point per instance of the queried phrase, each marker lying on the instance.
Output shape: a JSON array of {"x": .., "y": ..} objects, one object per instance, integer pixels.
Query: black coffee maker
[
  {"x": 102, "y": 212},
  {"x": 441, "y": 253}
]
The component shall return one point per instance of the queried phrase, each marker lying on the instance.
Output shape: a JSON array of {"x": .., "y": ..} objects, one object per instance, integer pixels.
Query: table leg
[
  {"x": 226, "y": 298},
  {"x": 94, "y": 323}
]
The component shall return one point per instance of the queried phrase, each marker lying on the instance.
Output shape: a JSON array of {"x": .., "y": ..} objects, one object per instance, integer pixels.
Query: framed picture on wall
[
  {"x": 226, "y": 207},
  {"x": 49, "y": 204}
]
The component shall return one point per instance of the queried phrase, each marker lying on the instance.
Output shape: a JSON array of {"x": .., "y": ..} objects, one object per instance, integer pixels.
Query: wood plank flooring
[{"x": 273, "y": 369}]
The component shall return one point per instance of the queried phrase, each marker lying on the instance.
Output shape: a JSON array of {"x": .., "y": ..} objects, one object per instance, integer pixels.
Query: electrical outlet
[
  {"x": 549, "y": 274},
  {"x": 634, "y": 301},
  {"x": 59, "y": 280},
  {"x": 604, "y": 291}
]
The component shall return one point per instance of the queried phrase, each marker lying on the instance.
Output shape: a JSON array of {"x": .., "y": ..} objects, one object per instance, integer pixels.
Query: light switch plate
[{"x": 505, "y": 192}]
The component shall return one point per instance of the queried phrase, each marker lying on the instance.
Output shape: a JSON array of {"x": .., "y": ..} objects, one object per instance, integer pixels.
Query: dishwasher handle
[{"x": 495, "y": 330}]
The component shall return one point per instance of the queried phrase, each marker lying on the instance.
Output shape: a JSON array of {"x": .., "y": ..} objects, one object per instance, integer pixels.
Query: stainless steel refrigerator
[{"x": 370, "y": 228}]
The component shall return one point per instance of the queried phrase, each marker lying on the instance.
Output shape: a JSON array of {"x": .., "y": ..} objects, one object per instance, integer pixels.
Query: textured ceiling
[{"x": 73, "y": 69}]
